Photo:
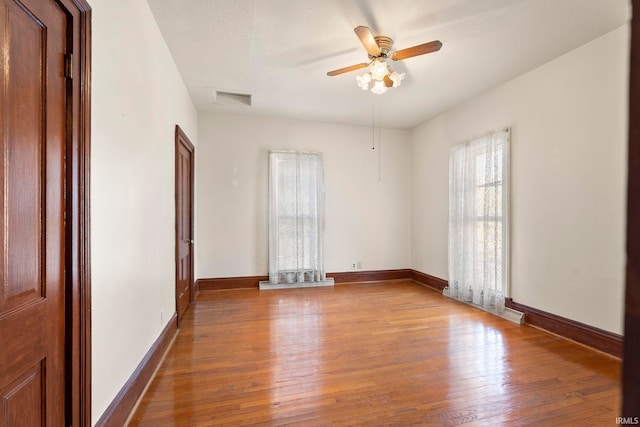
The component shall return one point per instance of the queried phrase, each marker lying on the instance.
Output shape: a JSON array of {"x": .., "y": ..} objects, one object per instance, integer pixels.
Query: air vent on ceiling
[{"x": 228, "y": 98}]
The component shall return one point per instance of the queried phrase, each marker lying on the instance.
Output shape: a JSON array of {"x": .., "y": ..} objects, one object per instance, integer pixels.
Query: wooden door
[
  {"x": 184, "y": 222},
  {"x": 32, "y": 267}
]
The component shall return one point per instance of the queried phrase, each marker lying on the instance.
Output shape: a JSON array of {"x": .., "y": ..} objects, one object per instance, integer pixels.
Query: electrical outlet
[{"x": 354, "y": 265}]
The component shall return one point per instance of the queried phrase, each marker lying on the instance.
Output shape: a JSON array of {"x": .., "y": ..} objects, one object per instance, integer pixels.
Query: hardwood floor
[{"x": 385, "y": 353}]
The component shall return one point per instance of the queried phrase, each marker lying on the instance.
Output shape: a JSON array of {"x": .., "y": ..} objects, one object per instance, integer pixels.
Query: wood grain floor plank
[{"x": 385, "y": 353}]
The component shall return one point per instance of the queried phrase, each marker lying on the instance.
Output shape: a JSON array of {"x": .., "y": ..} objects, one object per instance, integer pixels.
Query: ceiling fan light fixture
[{"x": 382, "y": 76}]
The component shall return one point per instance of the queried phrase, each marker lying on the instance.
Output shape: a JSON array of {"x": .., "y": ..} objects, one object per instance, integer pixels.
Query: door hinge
[{"x": 68, "y": 65}]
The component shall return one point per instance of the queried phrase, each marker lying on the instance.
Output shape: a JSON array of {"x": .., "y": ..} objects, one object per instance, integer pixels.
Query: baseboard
[
  {"x": 248, "y": 282},
  {"x": 591, "y": 336},
  {"x": 429, "y": 280},
  {"x": 370, "y": 276},
  {"x": 219, "y": 283},
  {"x": 120, "y": 408}
]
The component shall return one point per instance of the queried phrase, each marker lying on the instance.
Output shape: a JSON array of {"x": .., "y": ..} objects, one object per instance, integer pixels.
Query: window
[
  {"x": 478, "y": 221},
  {"x": 296, "y": 218}
]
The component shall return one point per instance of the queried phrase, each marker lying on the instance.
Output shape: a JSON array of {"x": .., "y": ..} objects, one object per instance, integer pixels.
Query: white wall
[
  {"x": 367, "y": 219},
  {"x": 569, "y": 128},
  {"x": 137, "y": 99}
]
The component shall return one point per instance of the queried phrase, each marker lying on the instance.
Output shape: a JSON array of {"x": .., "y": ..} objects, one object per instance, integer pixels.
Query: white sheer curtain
[
  {"x": 296, "y": 217},
  {"x": 479, "y": 221}
]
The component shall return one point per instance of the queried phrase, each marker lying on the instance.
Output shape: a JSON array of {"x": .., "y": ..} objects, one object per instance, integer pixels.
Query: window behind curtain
[
  {"x": 478, "y": 221},
  {"x": 296, "y": 217}
]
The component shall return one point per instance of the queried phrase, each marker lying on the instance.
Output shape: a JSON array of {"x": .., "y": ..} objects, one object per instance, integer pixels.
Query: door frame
[
  {"x": 631, "y": 361},
  {"x": 181, "y": 139},
  {"x": 77, "y": 261}
]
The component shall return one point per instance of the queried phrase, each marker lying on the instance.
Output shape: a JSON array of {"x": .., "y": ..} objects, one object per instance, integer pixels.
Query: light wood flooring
[{"x": 371, "y": 354}]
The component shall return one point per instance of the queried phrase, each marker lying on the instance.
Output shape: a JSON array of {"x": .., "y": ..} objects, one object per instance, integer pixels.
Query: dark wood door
[
  {"x": 32, "y": 267},
  {"x": 184, "y": 221}
]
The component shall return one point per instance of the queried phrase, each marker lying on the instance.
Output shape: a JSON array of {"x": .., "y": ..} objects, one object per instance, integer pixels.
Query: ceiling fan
[{"x": 378, "y": 48}]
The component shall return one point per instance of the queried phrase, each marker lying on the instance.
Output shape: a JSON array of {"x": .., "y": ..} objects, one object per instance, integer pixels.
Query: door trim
[
  {"x": 631, "y": 363},
  {"x": 181, "y": 139},
  {"x": 78, "y": 285}
]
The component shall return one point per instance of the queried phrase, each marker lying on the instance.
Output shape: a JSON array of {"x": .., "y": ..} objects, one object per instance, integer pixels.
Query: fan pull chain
[
  {"x": 376, "y": 120},
  {"x": 379, "y": 156},
  {"x": 373, "y": 124}
]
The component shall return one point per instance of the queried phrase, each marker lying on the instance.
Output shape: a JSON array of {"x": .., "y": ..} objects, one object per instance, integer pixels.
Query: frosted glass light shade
[
  {"x": 379, "y": 69},
  {"x": 396, "y": 78},
  {"x": 379, "y": 87},
  {"x": 363, "y": 81}
]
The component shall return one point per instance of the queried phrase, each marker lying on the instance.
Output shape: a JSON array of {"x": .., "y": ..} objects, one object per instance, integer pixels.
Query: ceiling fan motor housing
[{"x": 384, "y": 43}]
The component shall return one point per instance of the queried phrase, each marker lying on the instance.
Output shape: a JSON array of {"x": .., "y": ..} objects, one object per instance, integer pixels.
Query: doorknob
[{"x": 188, "y": 240}]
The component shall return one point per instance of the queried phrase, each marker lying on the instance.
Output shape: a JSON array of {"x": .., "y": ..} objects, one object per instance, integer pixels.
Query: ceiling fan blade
[
  {"x": 347, "y": 69},
  {"x": 367, "y": 40},
  {"x": 420, "y": 49},
  {"x": 387, "y": 81}
]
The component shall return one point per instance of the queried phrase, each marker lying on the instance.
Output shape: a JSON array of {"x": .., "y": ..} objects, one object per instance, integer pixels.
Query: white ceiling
[{"x": 280, "y": 50}]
